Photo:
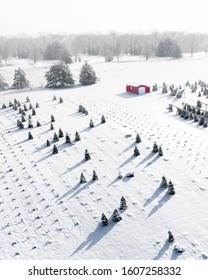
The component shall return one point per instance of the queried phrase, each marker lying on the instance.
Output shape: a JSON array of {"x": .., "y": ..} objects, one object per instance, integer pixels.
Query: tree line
[{"x": 110, "y": 46}]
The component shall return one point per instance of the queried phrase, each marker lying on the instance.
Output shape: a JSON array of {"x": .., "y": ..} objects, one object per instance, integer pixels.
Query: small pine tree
[
  {"x": 91, "y": 125},
  {"x": 51, "y": 127},
  {"x": 80, "y": 109},
  {"x": 171, "y": 189},
  {"x": 48, "y": 143},
  {"x": 155, "y": 148},
  {"x": 104, "y": 220},
  {"x": 25, "y": 107},
  {"x": 160, "y": 151},
  {"x": 20, "y": 110},
  {"x": 18, "y": 122},
  {"x": 52, "y": 118},
  {"x": 30, "y": 106},
  {"x": 77, "y": 136},
  {"x": 68, "y": 140},
  {"x": 33, "y": 112},
  {"x": 94, "y": 176},
  {"x": 27, "y": 99},
  {"x": 138, "y": 138},
  {"x": 116, "y": 217},
  {"x": 61, "y": 100},
  {"x": 3, "y": 106},
  {"x": 23, "y": 112},
  {"x": 87, "y": 75},
  {"x": 103, "y": 120},
  {"x": 55, "y": 149},
  {"x": 23, "y": 118},
  {"x": 55, "y": 137},
  {"x": 38, "y": 124},
  {"x": 10, "y": 104},
  {"x": 164, "y": 183},
  {"x": 136, "y": 151},
  {"x": 30, "y": 137},
  {"x": 86, "y": 112},
  {"x": 37, "y": 105},
  {"x": 3, "y": 84},
  {"x": 83, "y": 110},
  {"x": 170, "y": 236},
  {"x": 30, "y": 125},
  {"x": 61, "y": 134},
  {"x": 123, "y": 204},
  {"x": 82, "y": 179},
  {"x": 20, "y": 80},
  {"x": 29, "y": 117},
  {"x": 54, "y": 98},
  {"x": 87, "y": 155}
]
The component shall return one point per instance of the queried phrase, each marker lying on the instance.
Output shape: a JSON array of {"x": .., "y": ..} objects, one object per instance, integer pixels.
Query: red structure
[{"x": 139, "y": 89}]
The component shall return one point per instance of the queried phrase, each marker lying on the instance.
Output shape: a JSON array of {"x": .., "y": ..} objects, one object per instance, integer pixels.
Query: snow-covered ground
[{"x": 46, "y": 214}]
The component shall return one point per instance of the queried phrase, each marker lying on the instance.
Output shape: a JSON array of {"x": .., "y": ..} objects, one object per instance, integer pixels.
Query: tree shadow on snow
[
  {"x": 129, "y": 147},
  {"x": 126, "y": 161},
  {"x": 157, "y": 192},
  {"x": 113, "y": 182},
  {"x": 94, "y": 237},
  {"x": 128, "y": 95},
  {"x": 152, "y": 161},
  {"x": 73, "y": 167},
  {"x": 162, "y": 250},
  {"x": 148, "y": 157},
  {"x": 160, "y": 203}
]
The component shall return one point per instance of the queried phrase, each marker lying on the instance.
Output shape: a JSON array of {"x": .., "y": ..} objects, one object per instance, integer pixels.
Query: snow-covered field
[{"x": 46, "y": 214}]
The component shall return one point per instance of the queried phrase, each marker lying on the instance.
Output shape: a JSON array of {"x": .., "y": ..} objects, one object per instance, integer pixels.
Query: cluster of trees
[
  {"x": 111, "y": 45},
  {"x": 58, "y": 76}
]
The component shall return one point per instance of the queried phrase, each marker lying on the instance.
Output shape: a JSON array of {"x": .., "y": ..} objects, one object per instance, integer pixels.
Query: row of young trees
[
  {"x": 108, "y": 45},
  {"x": 58, "y": 76}
]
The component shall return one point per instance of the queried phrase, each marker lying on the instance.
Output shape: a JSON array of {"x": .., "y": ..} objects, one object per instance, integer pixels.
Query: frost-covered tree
[
  {"x": 87, "y": 155},
  {"x": 87, "y": 75},
  {"x": 138, "y": 138},
  {"x": 60, "y": 133},
  {"x": 52, "y": 118},
  {"x": 59, "y": 76},
  {"x": 116, "y": 217},
  {"x": 48, "y": 143},
  {"x": 164, "y": 183},
  {"x": 82, "y": 179},
  {"x": 38, "y": 124},
  {"x": 51, "y": 127},
  {"x": 136, "y": 151},
  {"x": 3, "y": 106},
  {"x": 94, "y": 176},
  {"x": 30, "y": 124},
  {"x": 20, "y": 80},
  {"x": 61, "y": 100},
  {"x": 104, "y": 220},
  {"x": 170, "y": 236},
  {"x": 91, "y": 124},
  {"x": 55, "y": 149},
  {"x": 55, "y": 137},
  {"x": 30, "y": 137},
  {"x": 155, "y": 148},
  {"x": 3, "y": 84},
  {"x": 160, "y": 151},
  {"x": 103, "y": 120},
  {"x": 123, "y": 204},
  {"x": 77, "y": 136},
  {"x": 65, "y": 56},
  {"x": 171, "y": 189},
  {"x": 68, "y": 140},
  {"x": 33, "y": 112}
]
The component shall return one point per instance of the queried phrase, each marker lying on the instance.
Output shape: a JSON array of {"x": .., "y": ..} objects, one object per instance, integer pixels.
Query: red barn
[{"x": 139, "y": 89}]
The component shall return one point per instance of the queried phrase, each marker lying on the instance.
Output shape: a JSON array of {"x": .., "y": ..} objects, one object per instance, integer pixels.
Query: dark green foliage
[
  {"x": 116, "y": 217},
  {"x": 170, "y": 236},
  {"x": 136, "y": 151},
  {"x": 30, "y": 106},
  {"x": 38, "y": 124},
  {"x": 23, "y": 118},
  {"x": 29, "y": 117},
  {"x": 37, "y": 105},
  {"x": 65, "y": 55},
  {"x": 33, "y": 112},
  {"x": 55, "y": 149},
  {"x": 154, "y": 87},
  {"x": 23, "y": 112},
  {"x": 52, "y": 51},
  {"x": 52, "y": 118},
  {"x": 68, "y": 140},
  {"x": 30, "y": 125},
  {"x": 61, "y": 100},
  {"x": 54, "y": 98},
  {"x": 160, "y": 151},
  {"x": 94, "y": 176},
  {"x": 138, "y": 139},
  {"x": 61, "y": 134},
  {"x": 18, "y": 122},
  {"x": 77, "y": 137},
  {"x": 20, "y": 80},
  {"x": 164, "y": 183},
  {"x": 55, "y": 137},
  {"x": 59, "y": 76},
  {"x": 25, "y": 107},
  {"x": 91, "y": 125},
  {"x": 3, "y": 84},
  {"x": 199, "y": 104},
  {"x": 87, "y": 75},
  {"x": 123, "y": 204},
  {"x": 3, "y": 106},
  {"x": 30, "y": 137},
  {"x": 48, "y": 143},
  {"x": 171, "y": 189},
  {"x": 103, "y": 120},
  {"x": 168, "y": 48},
  {"x": 155, "y": 148},
  {"x": 104, "y": 220},
  {"x": 21, "y": 125},
  {"x": 80, "y": 109},
  {"x": 51, "y": 127},
  {"x": 10, "y": 104},
  {"x": 82, "y": 179},
  {"x": 87, "y": 155}
]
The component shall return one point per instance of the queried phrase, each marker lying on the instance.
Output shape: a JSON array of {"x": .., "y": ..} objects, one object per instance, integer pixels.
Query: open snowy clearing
[{"x": 45, "y": 212}]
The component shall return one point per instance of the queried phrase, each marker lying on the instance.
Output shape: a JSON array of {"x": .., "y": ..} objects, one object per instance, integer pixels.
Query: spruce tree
[
  {"x": 155, "y": 148},
  {"x": 25, "y": 107},
  {"x": 61, "y": 100},
  {"x": 59, "y": 76},
  {"x": 91, "y": 125},
  {"x": 51, "y": 127},
  {"x": 48, "y": 143},
  {"x": 104, "y": 220},
  {"x": 37, "y": 105},
  {"x": 3, "y": 84},
  {"x": 138, "y": 139},
  {"x": 3, "y": 106},
  {"x": 10, "y": 104},
  {"x": 103, "y": 120},
  {"x": 87, "y": 155},
  {"x": 30, "y": 137},
  {"x": 77, "y": 137},
  {"x": 38, "y": 124},
  {"x": 27, "y": 99},
  {"x": 18, "y": 122},
  {"x": 30, "y": 124},
  {"x": 61, "y": 134},
  {"x": 123, "y": 204},
  {"x": 170, "y": 236},
  {"x": 55, "y": 149},
  {"x": 23, "y": 118},
  {"x": 68, "y": 140},
  {"x": 21, "y": 125},
  {"x": 33, "y": 112},
  {"x": 52, "y": 118},
  {"x": 116, "y": 217},
  {"x": 82, "y": 179},
  {"x": 80, "y": 109},
  {"x": 87, "y": 75},
  {"x": 20, "y": 80},
  {"x": 164, "y": 183},
  {"x": 30, "y": 106},
  {"x": 160, "y": 151},
  {"x": 171, "y": 189},
  {"x": 136, "y": 151},
  {"x": 94, "y": 176},
  {"x": 54, "y": 98},
  {"x": 55, "y": 137}
]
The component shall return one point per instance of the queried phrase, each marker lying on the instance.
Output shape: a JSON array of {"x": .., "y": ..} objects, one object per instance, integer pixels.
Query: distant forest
[{"x": 110, "y": 46}]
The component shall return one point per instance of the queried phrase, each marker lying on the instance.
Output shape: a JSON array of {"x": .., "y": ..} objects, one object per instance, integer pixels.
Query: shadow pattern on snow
[
  {"x": 94, "y": 237},
  {"x": 126, "y": 161},
  {"x": 156, "y": 193},
  {"x": 148, "y": 157},
  {"x": 162, "y": 250},
  {"x": 73, "y": 167},
  {"x": 160, "y": 203},
  {"x": 76, "y": 189}
]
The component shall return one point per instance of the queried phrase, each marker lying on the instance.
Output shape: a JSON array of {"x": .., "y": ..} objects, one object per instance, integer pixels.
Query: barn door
[{"x": 141, "y": 90}]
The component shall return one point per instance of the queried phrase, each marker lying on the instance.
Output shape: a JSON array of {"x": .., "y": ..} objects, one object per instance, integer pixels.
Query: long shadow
[
  {"x": 45, "y": 157},
  {"x": 126, "y": 161},
  {"x": 73, "y": 167},
  {"x": 43, "y": 146},
  {"x": 129, "y": 147},
  {"x": 175, "y": 255},
  {"x": 152, "y": 161},
  {"x": 86, "y": 129},
  {"x": 148, "y": 157},
  {"x": 65, "y": 145},
  {"x": 85, "y": 186},
  {"x": 162, "y": 250},
  {"x": 75, "y": 114},
  {"x": 160, "y": 203},
  {"x": 94, "y": 237},
  {"x": 69, "y": 191},
  {"x": 113, "y": 182},
  {"x": 154, "y": 196}
]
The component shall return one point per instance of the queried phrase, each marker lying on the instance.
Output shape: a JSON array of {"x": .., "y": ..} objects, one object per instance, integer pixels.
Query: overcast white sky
[{"x": 77, "y": 16}]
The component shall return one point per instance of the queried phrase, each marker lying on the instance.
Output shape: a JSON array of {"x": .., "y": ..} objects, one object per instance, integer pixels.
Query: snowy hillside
[{"x": 46, "y": 213}]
